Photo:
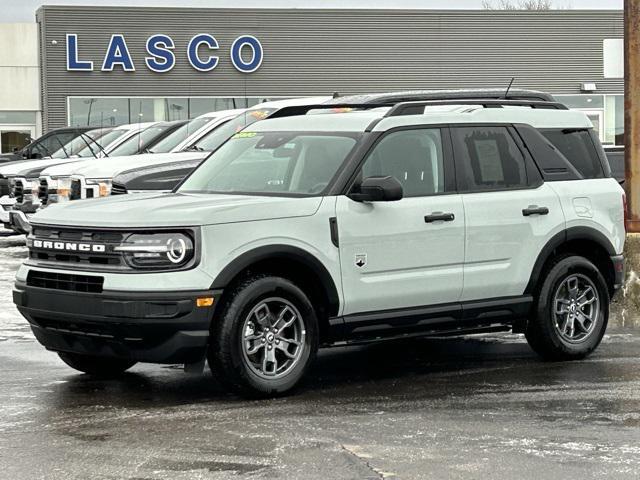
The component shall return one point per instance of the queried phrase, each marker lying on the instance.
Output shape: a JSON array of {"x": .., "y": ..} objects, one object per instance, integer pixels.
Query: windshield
[
  {"x": 299, "y": 163},
  {"x": 92, "y": 149},
  {"x": 212, "y": 140},
  {"x": 79, "y": 143},
  {"x": 180, "y": 135},
  {"x": 132, "y": 145}
]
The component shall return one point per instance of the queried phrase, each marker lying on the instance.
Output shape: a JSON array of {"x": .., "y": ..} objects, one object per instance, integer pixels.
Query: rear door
[{"x": 510, "y": 213}]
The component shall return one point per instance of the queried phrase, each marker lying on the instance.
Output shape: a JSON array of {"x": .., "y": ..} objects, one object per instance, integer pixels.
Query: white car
[{"x": 309, "y": 230}]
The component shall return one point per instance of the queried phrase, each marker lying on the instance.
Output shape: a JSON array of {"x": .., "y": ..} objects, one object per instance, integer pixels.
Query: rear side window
[
  {"x": 487, "y": 158},
  {"x": 577, "y": 147}
]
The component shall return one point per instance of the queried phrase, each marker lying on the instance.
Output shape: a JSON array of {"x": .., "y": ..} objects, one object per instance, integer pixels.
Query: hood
[
  {"x": 109, "y": 167},
  {"x": 174, "y": 210},
  {"x": 15, "y": 168}
]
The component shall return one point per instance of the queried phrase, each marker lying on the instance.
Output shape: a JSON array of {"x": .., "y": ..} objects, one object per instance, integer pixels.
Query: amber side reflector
[{"x": 204, "y": 302}]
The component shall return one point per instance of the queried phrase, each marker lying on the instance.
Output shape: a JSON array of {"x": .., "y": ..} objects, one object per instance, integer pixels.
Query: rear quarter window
[{"x": 578, "y": 148}]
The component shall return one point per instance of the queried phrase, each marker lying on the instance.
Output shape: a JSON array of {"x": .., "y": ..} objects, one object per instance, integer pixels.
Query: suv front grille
[
  {"x": 43, "y": 191},
  {"x": 4, "y": 187},
  {"x": 76, "y": 190},
  {"x": 118, "y": 189},
  {"x": 18, "y": 191},
  {"x": 107, "y": 259},
  {"x": 65, "y": 281}
]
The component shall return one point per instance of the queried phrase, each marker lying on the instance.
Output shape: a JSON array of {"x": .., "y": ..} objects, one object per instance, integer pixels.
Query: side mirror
[
  {"x": 377, "y": 189},
  {"x": 16, "y": 149}
]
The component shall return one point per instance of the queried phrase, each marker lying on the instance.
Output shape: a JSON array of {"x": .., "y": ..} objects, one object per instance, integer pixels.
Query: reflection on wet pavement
[{"x": 12, "y": 253}]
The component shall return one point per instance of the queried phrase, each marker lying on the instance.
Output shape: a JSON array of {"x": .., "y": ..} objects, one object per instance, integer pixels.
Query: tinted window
[
  {"x": 133, "y": 144},
  {"x": 413, "y": 157},
  {"x": 577, "y": 146},
  {"x": 212, "y": 140},
  {"x": 487, "y": 158},
  {"x": 180, "y": 135}
]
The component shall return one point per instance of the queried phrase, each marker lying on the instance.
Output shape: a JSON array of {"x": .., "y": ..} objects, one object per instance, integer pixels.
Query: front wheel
[
  {"x": 572, "y": 311},
  {"x": 97, "y": 366},
  {"x": 265, "y": 337}
]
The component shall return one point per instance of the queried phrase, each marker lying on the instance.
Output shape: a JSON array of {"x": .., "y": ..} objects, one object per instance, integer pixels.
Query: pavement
[{"x": 463, "y": 408}]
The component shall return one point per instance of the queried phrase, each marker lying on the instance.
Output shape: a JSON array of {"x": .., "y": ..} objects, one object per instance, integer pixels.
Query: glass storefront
[
  {"x": 112, "y": 111},
  {"x": 606, "y": 112}
]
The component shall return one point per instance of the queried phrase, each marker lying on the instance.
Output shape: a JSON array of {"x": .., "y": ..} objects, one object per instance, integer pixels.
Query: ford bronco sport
[{"x": 321, "y": 227}]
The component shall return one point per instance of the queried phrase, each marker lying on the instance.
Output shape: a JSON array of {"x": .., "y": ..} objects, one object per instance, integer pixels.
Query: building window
[
  {"x": 113, "y": 111},
  {"x": 606, "y": 113}
]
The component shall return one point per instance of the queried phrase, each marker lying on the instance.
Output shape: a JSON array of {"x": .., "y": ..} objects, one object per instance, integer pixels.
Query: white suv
[{"x": 315, "y": 228}]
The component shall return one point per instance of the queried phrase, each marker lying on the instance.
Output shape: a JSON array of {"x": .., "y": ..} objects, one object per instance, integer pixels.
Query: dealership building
[{"x": 112, "y": 65}]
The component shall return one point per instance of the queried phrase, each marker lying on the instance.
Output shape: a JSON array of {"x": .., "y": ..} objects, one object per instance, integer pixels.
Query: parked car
[
  {"x": 308, "y": 230},
  {"x": 144, "y": 140},
  {"x": 615, "y": 156},
  {"x": 45, "y": 145}
]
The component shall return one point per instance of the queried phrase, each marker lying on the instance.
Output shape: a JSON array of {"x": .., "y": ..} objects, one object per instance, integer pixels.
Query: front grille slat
[
  {"x": 118, "y": 189},
  {"x": 18, "y": 191},
  {"x": 43, "y": 191},
  {"x": 76, "y": 190},
  {"x": 5, "y": 189},
  {"x": 47, "y": 256},
  {"x": 65, "y": 281}
]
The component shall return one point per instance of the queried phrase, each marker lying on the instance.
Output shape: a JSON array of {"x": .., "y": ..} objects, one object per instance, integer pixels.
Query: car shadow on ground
[{"x": 369, "y": 369}]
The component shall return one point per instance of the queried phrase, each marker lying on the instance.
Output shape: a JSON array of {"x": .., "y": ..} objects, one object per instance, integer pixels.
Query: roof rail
[{"x": 416, "y": 108}]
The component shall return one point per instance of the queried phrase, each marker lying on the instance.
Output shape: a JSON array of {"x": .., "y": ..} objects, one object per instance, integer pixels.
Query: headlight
[
  {"x": 62, "y": 187},
  {"x": 104, "y": 186},
  {"x": 157, "y": 250}
]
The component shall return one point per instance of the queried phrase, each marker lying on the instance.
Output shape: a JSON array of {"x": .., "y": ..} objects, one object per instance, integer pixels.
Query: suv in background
[
  {"x": 45, "y": 145},
  {"x": 313, "y": 228}
]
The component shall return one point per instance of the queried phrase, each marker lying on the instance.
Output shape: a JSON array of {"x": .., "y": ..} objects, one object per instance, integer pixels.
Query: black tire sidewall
[
  {"x": 229, "y": 335},
  {"x": 545, "y": 308}
]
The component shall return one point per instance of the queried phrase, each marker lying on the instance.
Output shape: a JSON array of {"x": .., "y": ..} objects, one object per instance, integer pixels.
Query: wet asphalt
[{"x": 464, "y": 408}]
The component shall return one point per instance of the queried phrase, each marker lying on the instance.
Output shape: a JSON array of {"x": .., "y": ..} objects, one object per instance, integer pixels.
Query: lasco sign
[{"x": 245, "y": 53}]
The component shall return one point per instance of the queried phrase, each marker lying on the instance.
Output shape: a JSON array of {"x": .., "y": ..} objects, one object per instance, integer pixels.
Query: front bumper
[
  {"x": 20, "y": 221},
  {"x": 158, "y": 327},
  {"x": 5, "y": 206}
]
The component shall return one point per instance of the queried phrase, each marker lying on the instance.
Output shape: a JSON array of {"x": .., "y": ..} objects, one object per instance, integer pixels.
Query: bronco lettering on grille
[{"x": 70, "y": 246}]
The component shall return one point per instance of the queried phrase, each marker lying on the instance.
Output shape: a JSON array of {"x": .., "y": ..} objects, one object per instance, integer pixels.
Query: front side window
[
  {"x": 413, "y": 157},
  {"x": 297, "y": 163},
  {"x": 487, "y": 158},
  {"x": 577, "y": 147}
]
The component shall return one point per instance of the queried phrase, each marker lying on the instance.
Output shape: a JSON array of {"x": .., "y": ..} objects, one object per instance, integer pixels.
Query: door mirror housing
[{"x": 377, "y": 189}]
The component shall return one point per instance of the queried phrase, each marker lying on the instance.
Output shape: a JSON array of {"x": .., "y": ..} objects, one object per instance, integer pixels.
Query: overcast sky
[{"x": 24, "y": 10}]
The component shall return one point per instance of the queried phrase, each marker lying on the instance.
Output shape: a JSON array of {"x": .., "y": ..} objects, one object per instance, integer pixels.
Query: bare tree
[{"x": 534, "y": 5}]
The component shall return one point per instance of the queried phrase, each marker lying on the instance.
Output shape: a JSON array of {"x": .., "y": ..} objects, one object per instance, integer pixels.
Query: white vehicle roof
[
  {"x": 359, "y": 120},
  {"x": 110, "y": 167}
]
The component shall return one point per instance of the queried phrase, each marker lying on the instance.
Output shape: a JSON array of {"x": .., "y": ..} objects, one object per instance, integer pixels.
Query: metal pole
[{"x": 632, "y": 112}]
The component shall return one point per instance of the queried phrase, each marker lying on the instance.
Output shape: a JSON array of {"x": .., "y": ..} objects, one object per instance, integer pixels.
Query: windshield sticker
[
  {"x": 260, "y": 114},
  {"x": 245, "y": 135}
]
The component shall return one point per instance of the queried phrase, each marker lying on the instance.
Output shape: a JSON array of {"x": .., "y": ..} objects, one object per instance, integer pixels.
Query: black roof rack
[
  {"x": 415, "y": 107},
  {"x": 469, "y": 94}
]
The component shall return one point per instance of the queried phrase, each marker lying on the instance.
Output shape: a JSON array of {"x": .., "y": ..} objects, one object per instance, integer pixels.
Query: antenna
[{"x": 509, "y": 87}]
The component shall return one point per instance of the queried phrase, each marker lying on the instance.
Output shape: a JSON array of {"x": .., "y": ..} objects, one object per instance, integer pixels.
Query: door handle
[
  {"x": 437, "y": 216},
  {"x": 534, "y": 210}
]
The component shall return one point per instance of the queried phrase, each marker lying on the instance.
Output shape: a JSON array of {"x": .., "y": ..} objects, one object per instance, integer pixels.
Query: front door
[{"x": 406, "y": 253}]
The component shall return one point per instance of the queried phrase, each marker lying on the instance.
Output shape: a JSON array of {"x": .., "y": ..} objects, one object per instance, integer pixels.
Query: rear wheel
[
  {"x": 572, "y": 310},
  {"x": 265, "y": 337},
  {"x": 97, "y": 366}
]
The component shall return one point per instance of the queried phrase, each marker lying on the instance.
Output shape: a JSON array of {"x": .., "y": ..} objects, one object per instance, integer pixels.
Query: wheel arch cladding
[
  {"x": 298, "y": 265},
  {"x": 584, "y": 241}
]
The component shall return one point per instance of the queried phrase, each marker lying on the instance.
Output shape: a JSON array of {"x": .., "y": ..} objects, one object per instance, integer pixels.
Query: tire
[
  {"x": 243, "y": 331},
  {"x": 568, "y": 335},
  {"x": 96, "y": 366}
]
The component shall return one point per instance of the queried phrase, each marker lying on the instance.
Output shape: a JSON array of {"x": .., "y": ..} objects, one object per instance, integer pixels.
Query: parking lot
[{"x": 438, "y": 408}]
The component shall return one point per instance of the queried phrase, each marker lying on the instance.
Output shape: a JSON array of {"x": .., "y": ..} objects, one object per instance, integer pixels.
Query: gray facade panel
[{"x": 316, "y": 52}]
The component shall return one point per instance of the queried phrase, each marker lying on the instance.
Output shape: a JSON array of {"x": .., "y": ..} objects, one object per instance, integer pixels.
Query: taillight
[{"x": 624, "y": 209}]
